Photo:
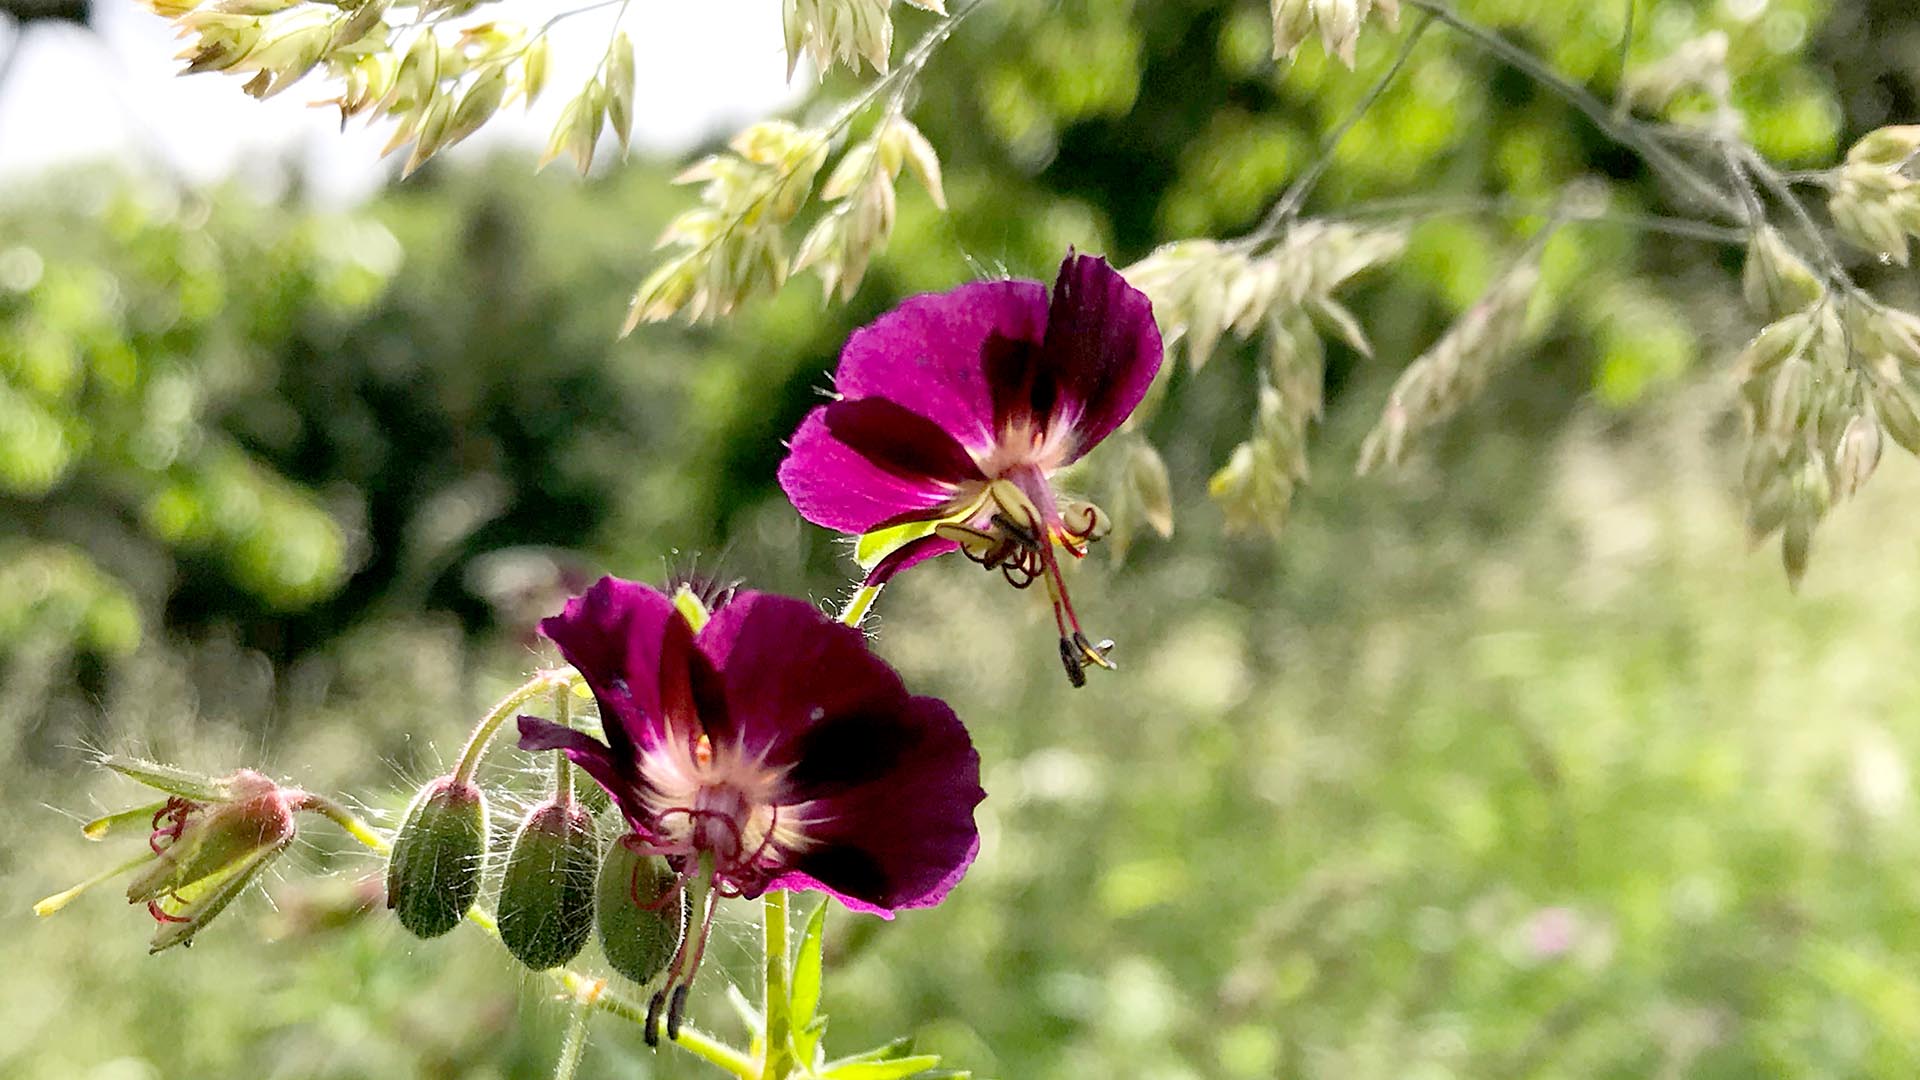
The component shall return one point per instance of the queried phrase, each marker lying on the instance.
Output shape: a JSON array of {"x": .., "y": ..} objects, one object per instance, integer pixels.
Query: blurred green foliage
[{"x": 1508, "y": 768}]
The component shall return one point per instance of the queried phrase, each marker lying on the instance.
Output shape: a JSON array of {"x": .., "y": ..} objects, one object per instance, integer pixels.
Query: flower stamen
[{"x": 670, "y": 1000}]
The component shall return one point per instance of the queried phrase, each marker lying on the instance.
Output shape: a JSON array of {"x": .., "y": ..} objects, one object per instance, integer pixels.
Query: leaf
[
  {"x": 1150, "y": 488},
  {"x": 897, "y": 1069},
  {"x": 805, "y": 993},
  {"x": 477, "y": 106},
  {"x": 849, "y": 173}
]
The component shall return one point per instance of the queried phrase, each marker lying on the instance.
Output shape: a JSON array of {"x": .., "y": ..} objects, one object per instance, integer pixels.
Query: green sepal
[
  {"x": 439, "y": 854},
  {"x": 638, "y": 932},
  {"x": 187, "y": 785},
  {"x": 545, "y": 911},
  {"x": 99, "y": 827},
  {"x": 199, "y": 902}
]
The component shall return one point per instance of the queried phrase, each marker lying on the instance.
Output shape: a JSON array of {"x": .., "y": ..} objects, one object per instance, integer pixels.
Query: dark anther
[
  {"x": 1070, "y": 659},
  {"x": 650, "y": 1031},
  {"x": 676, "y": 1012},
  {"x": 1096, "y": 653},
  {"x": 1016, "y": 530}
]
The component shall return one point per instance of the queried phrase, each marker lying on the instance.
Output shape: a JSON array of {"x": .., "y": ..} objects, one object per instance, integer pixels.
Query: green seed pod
[
  {"x": 546, "y": 893},
  {"x": 640, "y": 923},
  {"x": 433, "y": 874}
]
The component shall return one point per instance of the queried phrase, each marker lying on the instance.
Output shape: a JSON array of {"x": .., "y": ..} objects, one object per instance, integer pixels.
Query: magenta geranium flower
[
  {"x": 769, "y": 750},
  {"x": 954, "y": 412}
]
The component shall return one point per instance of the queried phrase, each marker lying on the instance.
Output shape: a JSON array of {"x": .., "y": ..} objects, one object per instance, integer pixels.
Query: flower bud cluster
[
  {"x": 438, "y": 857},
  {"x": 841, "y": 244},
  {"x": 1822, "y": 390},
  {"x": 1696, "y": 66},
  {"x": 1876, "y": 199},
  {"x": 545, "y": 908},
  {"x": 735, "y": 243},
  {"x": 1337, "y": 22},
  {"x": 554, "y": 887},
  {"x": 1138, "y": 493},
  {"x": 1204, "y": 289},
  {"x": 438, "y": 88},
  {"x": 846, "y": 32},
  {"x": 1445, "y": 378}
]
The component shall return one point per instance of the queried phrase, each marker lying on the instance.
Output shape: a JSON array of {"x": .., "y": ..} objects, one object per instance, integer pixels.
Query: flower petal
[
  {"x": 911, "y": 553},
  {"x": 927, "y": 354},
  {"x": 785, "y": 667},
  {"x": 902, "y": 837},
  {"x": 622, "y": 636},
  {"x": 881, "y": 784},
  {"x": 1102, "y": 348},
  {"x": 835, "y": 485},
  {"x": 621, "y": 781}
]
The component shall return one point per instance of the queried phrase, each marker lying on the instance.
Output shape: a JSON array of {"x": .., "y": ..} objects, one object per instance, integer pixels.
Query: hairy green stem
[
  {"x": 778, "y": 1061},
  {"x": 575, "y": 1042},
  {"x": 335, "y": 811},
  {"x": 562, "y": 764},
  {"x": 476, "y": 747}
]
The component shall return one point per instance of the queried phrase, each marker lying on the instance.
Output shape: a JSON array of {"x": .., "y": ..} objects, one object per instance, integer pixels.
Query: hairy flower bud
[
  {"x": 208, "y": 853},
  {"x": 546, "y": 893},
  {"x": 433, "y": 873},
  {"x": 641, "y": 910}
]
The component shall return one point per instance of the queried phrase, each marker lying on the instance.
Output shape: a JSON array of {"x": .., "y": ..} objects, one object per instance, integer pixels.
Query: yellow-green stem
[
  {"x": 563, "y": 765},
  {"x": 334, "y": 811},
  {"x": 779, "y": 1060},
  {"x": 476, "y": 747}
]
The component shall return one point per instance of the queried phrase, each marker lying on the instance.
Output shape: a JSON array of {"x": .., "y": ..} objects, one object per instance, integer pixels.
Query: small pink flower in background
[
  {"x": 956, "y": 409},
  {"x": 1553, "y": 932}
]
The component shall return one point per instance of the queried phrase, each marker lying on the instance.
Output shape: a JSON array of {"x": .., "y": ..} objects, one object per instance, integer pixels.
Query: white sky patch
[{"x": 75, "y": 97}]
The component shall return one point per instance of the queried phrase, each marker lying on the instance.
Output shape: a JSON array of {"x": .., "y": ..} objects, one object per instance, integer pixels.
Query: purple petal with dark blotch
[
  {"x": 620, "y": 777},
  {"x": 836, "y": 486},
  {"x": 899, "y": 441},
  {"x": 888, "y": 782},
  {"x": 904, "y": 837},
  {"x": 927, "y": 354},
  {"x": 615, "y": 634},
  {"x": 1102, "y": 348},
  {"x": 785, "y": 667}
]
